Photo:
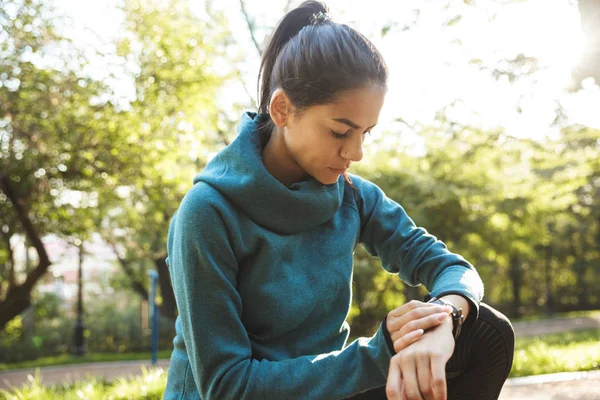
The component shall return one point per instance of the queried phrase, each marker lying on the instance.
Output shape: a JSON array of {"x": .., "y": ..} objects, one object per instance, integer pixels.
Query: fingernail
[{"x": 442, "y": 316}]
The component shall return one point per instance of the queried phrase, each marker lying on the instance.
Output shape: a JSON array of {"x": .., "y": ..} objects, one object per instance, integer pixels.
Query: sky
[{"x": 430, "y": 63}]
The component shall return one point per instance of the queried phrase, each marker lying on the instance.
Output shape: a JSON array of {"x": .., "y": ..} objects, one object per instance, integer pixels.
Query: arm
[
  {"x": 415, "y": 255},
  {"x": 204, "y": 268},
  {"x": 418, "y": 369}
]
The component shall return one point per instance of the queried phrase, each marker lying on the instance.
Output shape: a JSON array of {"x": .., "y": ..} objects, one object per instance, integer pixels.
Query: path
[
  {"x": 565, "y": 386},
  {"x": 581, "y": 386},
  {"x": 556, "y": 325},
  {"x": 77, "y": 372}
]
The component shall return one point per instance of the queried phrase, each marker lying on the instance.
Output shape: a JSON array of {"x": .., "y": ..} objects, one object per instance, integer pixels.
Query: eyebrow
[{"x": 350, "y": 123}]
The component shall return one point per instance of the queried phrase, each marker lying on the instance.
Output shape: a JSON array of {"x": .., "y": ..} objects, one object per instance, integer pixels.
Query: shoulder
[
  {"x": 204, "y": 204},
  {"x": 365, "y": 190}
]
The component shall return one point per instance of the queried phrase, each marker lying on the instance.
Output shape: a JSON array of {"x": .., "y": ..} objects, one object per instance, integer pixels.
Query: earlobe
[{"x": 279, "y": 108}]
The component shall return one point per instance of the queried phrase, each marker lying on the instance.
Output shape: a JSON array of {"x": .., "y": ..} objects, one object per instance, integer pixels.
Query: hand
[
  {"x": 418, "y": 372},
  {"x": 413, "y": 316}
]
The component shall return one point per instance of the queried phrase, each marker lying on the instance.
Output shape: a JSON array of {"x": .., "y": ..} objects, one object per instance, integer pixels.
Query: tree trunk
[
  {"x": 78, "y": 334},
  {"x": 168, "y": 308},
  {"x": 579, "y": 268},
  {"x": 18, "y": 298},
  {"x": 516, "y": 281},
  {"x": 10, "y": 265},
  {"x": 548, "y": 281}
]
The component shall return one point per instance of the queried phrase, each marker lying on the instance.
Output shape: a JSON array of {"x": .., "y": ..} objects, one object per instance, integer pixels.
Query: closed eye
[{"x": 337, "y": 135}]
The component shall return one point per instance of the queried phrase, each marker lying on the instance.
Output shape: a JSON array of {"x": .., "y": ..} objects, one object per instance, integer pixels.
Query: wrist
[
  {"x": 459, "y": 302},
  {"x": 447, "y": 323},
  {"x": 456, "y": 317}
]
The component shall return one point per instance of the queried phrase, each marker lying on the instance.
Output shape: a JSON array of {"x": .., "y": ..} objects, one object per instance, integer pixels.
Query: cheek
[
  {"x": 309, "y": 145},
  {"x": 322, "y": 149}
]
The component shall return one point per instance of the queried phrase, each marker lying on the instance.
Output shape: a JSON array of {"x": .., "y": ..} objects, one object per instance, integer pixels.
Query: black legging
[{"x": 481, "y": 361}]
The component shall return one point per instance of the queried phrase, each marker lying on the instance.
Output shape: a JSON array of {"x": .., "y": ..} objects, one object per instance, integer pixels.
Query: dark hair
[{"x": 313, "y": 59}]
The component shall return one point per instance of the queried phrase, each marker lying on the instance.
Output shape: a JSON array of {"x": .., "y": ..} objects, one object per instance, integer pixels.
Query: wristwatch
[{"x": 457, "y": 316}]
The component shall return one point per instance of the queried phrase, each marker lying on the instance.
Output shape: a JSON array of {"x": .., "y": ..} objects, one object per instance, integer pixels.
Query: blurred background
[{"x": 489, "y": 138}]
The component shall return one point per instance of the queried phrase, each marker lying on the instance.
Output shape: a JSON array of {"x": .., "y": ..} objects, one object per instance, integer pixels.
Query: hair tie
[{"x": 319, "y": 18}]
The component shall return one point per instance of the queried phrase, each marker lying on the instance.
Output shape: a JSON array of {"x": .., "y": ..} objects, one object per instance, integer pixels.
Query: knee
[
  {"x": 500, "y": 323},
  {"x": 494, "y": 335}
]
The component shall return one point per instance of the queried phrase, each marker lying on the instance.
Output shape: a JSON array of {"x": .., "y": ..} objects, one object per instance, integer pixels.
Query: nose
[{"x": 353, "y": 150}]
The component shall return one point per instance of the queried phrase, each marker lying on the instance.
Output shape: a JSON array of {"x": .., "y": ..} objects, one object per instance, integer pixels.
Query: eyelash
[
  {"x": 343, "y": 135},
  {"x": 337, "y": 135}
]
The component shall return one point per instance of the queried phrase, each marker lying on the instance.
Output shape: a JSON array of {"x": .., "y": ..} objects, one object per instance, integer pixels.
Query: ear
[{"x": 280, "y": 108}]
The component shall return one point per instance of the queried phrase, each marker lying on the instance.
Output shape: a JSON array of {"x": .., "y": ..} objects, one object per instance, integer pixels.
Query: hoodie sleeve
[
  {"x": 204, "y": 268},
  {"x": 409, "y": 251}
]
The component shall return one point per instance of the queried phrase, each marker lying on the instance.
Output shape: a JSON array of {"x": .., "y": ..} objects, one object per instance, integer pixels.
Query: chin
[{"x": 327, "y": 180}]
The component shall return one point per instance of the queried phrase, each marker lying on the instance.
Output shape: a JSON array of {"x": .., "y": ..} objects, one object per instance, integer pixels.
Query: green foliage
[
  {"x": 518, "y": 210},
  {"x": 113, "y": 325},
  {"x": 81, "y": 159},
  {"x": 173, "y": 123}
]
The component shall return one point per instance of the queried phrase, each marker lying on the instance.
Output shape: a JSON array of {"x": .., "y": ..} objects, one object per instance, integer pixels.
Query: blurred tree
[
  {"x": 55, "y": 145},
  {"x": 175, "y": 125}
]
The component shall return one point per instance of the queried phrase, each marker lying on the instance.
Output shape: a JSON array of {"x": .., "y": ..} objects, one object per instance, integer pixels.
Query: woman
[{"x": 260, "y": 250}]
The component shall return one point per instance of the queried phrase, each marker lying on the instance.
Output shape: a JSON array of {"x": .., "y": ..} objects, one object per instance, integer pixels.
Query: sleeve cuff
[{"x": 386, "y": 335}]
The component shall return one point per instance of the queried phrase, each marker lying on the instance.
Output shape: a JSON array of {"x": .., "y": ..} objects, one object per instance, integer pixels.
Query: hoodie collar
[{"x": 239, "y": 174}]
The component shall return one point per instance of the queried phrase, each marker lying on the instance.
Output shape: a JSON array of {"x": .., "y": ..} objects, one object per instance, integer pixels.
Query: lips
[{"x": 338, "y": 170}]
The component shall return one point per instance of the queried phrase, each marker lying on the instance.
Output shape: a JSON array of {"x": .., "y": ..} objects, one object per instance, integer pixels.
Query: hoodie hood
[{"x": 239, "y": 174}]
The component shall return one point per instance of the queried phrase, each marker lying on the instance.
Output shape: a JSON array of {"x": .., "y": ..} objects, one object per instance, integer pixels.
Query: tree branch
[
  {"x": 250, "y": 24},
  {"x": 30, "y": 232},
  {"x": 136, "y": 285}
]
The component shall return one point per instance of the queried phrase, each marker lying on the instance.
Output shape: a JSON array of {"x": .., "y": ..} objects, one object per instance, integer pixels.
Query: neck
[{"x": 279, "y": 162}]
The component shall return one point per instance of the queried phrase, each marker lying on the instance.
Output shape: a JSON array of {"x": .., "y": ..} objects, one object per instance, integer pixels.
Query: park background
[{"x": 489, "y": 138}]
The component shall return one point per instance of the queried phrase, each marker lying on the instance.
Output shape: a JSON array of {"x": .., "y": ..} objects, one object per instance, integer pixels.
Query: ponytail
[{"x": 289, "y": 26}]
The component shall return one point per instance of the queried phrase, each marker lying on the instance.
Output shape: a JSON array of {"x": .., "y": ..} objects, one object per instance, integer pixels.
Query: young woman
[{"x": 260, "y": 250}]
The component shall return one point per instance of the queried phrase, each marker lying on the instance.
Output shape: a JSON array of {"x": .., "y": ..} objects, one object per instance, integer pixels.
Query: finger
[
  {"x": 403, "y": 392},
  {"x": 438, "y": 378},
  {"x": 424, "y": 376},
  {"x": 395, "y": 323},
  {"x": 393, "y": 384},
  {"x": 400, "y": 326},
  {"x": 407, "y": 340},
  {"x": 423, "y": 323},
  {"x": 411, "y": 305},
  {"x": 409, "y": 378}
]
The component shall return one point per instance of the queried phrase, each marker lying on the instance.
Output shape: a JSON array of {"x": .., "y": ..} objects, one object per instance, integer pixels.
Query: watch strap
[{"x": 458, "y": 317}]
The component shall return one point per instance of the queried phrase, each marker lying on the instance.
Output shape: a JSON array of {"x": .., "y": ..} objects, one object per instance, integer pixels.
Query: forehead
[{"x": 361, "y": 106}]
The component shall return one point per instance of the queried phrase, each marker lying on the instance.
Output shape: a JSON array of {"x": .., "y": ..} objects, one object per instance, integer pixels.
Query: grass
[
  {"x": 149, "y": 386},
  {"x": 545, "y": 354},
  {"x": 66, "y": 359},
  {"x": 562, "y": 352}
]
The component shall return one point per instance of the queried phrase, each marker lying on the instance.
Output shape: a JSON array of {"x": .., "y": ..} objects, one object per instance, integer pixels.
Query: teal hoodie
[{"x": 262, "y": 274}]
